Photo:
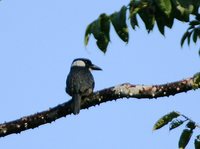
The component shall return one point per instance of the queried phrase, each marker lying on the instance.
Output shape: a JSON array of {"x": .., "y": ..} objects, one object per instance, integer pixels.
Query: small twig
[{"x": 189, "y": 119}]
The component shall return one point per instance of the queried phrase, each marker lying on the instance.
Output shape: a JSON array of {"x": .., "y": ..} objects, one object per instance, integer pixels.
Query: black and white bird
[{"x": 80, "y": 81}]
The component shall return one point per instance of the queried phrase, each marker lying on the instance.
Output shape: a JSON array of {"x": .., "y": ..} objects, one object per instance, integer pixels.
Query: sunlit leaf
[
  {"x": 183, "y": 8},
  {"x": 134, "y": 7},
  {"x": 137, "y": 5},
  {"x": 165, "y": 120},
  {"x": 165, "y": 6}
]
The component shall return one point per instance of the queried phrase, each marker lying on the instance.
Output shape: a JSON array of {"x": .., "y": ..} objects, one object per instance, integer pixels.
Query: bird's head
[{"x": 86, "y": 63}]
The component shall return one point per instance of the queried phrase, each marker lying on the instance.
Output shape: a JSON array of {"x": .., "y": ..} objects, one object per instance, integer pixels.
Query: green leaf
[
  {"x": 184, "y": 138},
  {"x": 199, "y": 51},
  {"x": 147, "y": 16},
  {"x": 133, "y": 21},
  {"x": 165, "y": 6},
  {"x": 185, "y": 35},
  {"x": 176, "y": 123},
  {"x": 93, "y": 28},
  {"x": 104, "y": 39},
  {"x": 183, "y": 8},
  {"x": 118, "y": 20},
  {"x": 197, "y": 17},
  {"x": 160, "y": 23},
  {"x": 169, "y": 21},
  {"x": 191, "y": 125},
  {"x": 198, "y": 31},
  {"x": 195, "y": 35},
  {"x": 194, "y": 22},
  {"x": 102, "y": 42},
  {"x": 105, "y": 25},
  {"x": 87, "y": 34},
  {"x": 188, "y": 37},
  {"x": 197, "y": 142},
  {"x": 163, "y": 20},
  {"x": 100, "y": 29},
  {"x": 136, "y": 5},
  {"x": 165, "y": 120}
]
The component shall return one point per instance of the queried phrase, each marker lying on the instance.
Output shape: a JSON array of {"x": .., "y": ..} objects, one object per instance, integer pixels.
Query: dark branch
[{"x": 120, "y": 91}]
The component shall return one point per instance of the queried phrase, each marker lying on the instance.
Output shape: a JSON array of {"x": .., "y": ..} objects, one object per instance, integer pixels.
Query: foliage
[
  {"x": 100, "y": 28},
  {"x": 174, "y": 119},
  {"x": 193, "y": 31},
  {"x": 151, "y": 12},
  {"x": 162, "y": 13},
  {"x": 164, "y": 120}
]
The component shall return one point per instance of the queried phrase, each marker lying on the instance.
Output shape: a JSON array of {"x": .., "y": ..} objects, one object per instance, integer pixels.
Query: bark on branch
[{"x": 116, "y": 92}]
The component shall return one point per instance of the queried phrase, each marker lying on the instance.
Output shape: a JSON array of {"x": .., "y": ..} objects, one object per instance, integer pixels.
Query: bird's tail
[{"x": 77, "y": 103}]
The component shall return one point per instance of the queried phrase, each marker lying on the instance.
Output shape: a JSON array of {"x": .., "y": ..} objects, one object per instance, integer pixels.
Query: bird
[{"x": 80, "y": 82}]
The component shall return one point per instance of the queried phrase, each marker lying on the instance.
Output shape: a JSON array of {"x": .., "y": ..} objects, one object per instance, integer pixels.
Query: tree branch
[{"x": 116, "y": 92}]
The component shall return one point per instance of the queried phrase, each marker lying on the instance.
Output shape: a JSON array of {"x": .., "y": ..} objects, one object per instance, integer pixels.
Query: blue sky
[{"x": 38, "y": 41}]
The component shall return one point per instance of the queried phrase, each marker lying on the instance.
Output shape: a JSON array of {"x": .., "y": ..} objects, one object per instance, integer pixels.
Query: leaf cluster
[
  {"x": 160, "y": 12},
  {"x": 176, "y": 119},
  {"x": 193, "y": 31}
]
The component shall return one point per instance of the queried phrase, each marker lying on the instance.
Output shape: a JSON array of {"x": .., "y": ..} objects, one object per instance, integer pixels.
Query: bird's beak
[{"x": 94, "y": 67}]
